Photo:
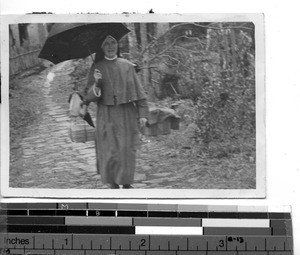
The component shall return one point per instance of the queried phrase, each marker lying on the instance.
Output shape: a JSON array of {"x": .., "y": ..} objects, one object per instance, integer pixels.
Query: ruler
[{"x": 144, "y": 229}]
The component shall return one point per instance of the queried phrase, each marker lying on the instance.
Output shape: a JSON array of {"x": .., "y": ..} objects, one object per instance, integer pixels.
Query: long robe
[{"x": 122, "y": 102}]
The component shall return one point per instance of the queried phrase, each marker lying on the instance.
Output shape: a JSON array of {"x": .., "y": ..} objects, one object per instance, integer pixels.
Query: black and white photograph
[{"x": 133, "y": 106}]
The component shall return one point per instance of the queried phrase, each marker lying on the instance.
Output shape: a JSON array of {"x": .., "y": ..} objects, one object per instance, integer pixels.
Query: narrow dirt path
[{"x": 50, "y": 159}]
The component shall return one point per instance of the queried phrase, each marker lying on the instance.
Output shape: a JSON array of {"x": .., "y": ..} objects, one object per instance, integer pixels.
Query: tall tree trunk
[
  {"x": 145, "y": 62},
  {"x": 233, "y": 55},
  {"x": 226, "y": 48},
  {"x": 133, "y": 43},
  {"x": 223, "y": 47},
  {"x": 210, "y": 37}
]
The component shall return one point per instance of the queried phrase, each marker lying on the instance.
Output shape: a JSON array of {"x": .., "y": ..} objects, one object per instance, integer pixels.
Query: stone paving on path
[{"x": 50, "y": 158}]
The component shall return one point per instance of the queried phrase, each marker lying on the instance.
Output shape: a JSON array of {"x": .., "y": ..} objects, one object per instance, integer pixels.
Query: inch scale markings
[
  {"x": 15, "y": 243},
  {"x": 122, "y": 230}
]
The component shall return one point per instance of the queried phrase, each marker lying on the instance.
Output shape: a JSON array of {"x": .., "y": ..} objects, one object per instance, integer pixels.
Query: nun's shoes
[
  {"x": 127, "y": 186},
  {"x": 114, "y": 186}
]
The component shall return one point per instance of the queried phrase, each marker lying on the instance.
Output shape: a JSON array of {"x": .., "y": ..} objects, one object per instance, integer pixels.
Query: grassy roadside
[{"x": 25, "y": 104}]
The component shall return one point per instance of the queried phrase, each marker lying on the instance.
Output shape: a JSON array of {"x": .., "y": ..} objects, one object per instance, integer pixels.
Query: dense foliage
[{"x": 212, "y": 64}]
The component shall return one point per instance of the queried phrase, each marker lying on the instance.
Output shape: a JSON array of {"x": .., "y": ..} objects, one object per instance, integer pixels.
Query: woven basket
[{"x": 80, "y": 131}]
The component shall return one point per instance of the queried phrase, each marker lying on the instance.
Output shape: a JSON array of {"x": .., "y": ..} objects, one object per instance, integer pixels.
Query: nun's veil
[{"x": 100, "y": 53}]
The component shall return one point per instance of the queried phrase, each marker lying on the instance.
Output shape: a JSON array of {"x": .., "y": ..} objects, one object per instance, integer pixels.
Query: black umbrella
[{"x": 78, "y": 40}]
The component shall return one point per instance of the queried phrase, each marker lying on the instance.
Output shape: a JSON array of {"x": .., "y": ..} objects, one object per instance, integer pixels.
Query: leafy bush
[
  {"x": 215, "y": 89},
  {"x": 226, "y": 114}
]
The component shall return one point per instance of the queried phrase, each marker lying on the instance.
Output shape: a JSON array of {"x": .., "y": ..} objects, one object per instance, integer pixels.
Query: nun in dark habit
[{"x": 122, "y": 110}]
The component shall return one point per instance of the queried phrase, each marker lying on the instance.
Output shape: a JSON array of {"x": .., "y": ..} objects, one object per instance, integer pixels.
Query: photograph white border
[{"x": 259, "y": 192}]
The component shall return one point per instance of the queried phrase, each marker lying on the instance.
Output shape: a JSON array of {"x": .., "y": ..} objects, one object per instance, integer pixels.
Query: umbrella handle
[{"x": 91, "y": 54}]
